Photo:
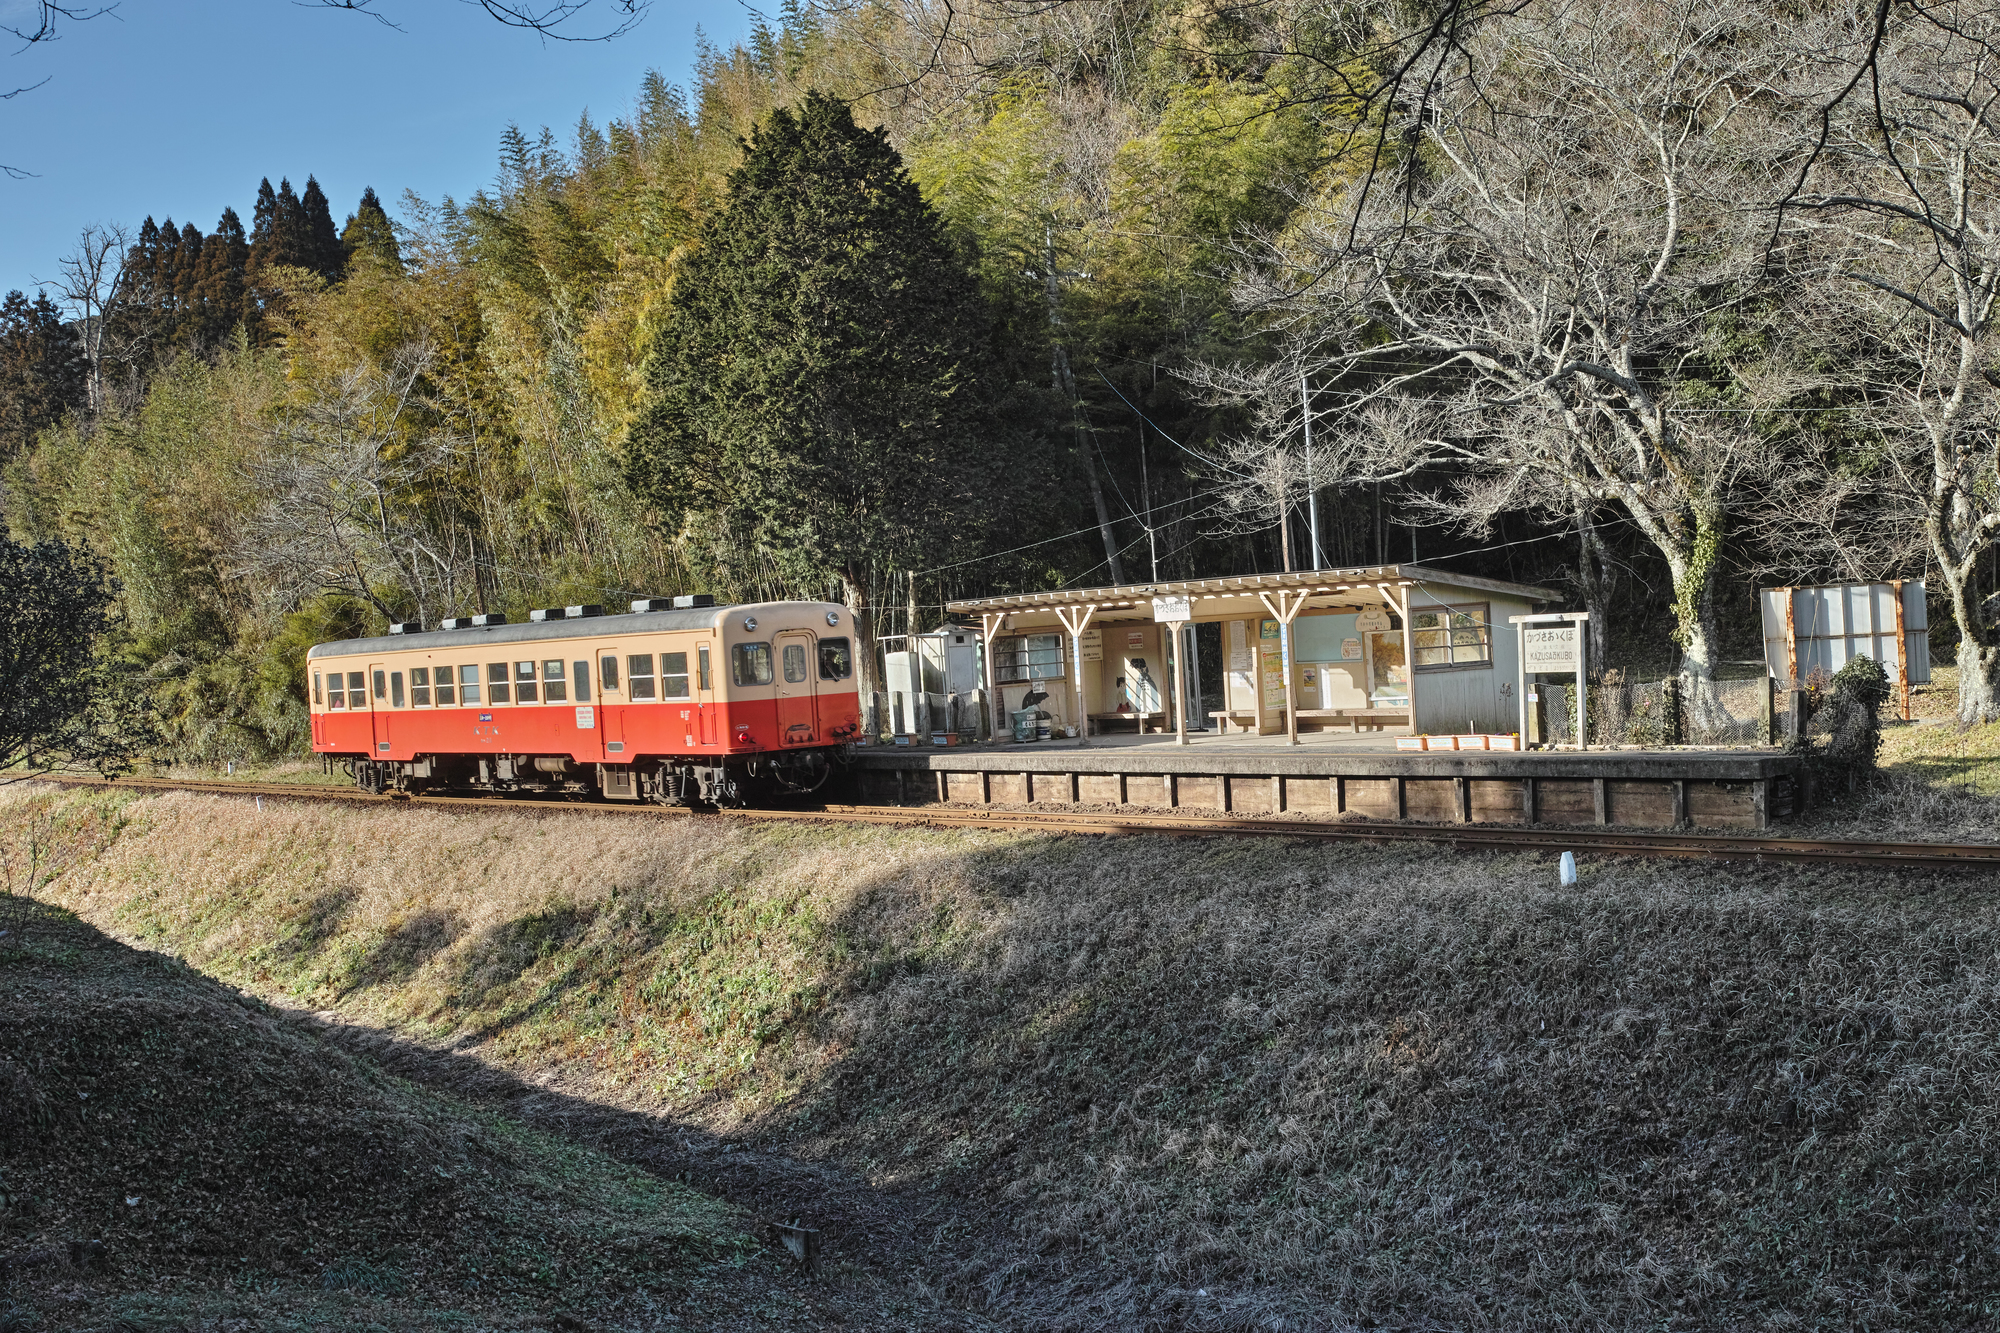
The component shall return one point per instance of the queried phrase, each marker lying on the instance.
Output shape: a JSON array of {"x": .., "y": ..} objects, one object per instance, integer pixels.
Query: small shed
[{"x": 1318, "y": 648}]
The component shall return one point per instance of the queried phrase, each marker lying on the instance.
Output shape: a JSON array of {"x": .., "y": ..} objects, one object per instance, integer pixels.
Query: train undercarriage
[{"x": 662, "y": 780}]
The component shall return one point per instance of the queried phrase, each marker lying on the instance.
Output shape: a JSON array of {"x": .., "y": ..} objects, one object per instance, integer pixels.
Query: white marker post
[{"x": 1552, "y": 644}]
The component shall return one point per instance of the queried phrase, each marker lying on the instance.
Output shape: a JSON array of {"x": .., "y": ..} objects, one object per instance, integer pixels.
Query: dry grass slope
[{"x": 1196, "y": 1084}]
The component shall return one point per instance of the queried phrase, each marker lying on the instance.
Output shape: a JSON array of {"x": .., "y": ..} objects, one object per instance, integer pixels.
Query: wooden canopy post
[
  {"x": 1173, "y": 628},
  {"x": 1287, "y": 609},
  {"x": 1401, "y": 606},
  {"x": 990, "y": 624},
  {"x": 1075, "y": 619}
]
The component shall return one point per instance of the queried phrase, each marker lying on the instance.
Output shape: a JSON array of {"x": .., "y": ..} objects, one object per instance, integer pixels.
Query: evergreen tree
[
  {"x": 321, "y": 243},
  {"x": 220, "y": 290},
  {"x": 184, "y": 303},
  {"x": 369, "y": 231},
  {"x": 816, "y": 387},
  {"x": 41, "y": 370}
]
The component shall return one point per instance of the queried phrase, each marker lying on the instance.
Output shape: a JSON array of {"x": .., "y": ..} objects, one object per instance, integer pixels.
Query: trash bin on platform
[{"x": 1024, "y": 724}]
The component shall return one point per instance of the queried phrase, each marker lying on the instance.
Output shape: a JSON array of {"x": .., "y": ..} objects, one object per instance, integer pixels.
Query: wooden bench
[
  {"x": 1243, "y": 717},
  {"x": 1375, "y": 717},
  {"x": 1141, "y": 721}
]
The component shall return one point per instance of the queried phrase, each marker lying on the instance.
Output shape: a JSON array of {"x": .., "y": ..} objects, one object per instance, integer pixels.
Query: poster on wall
[
  {"x": 1091, "y": 642},
  {"x": 1350, "y": 650},
  {"x": 1239, "y": 647},
  {"x": 1271, "y": 666}
]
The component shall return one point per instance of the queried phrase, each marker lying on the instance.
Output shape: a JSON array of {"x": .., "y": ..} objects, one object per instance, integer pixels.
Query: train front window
[
  {"x": 673, "y": 675},
  {"x": 639, "y": 675},
  {"x": 468, "y": 684},
  {"x": 555, "y": 689},
  {"x": 496, "y": 682},
  {"x": 750, "y": 663},
  {"x": 836, "y": 659},
  {"x": 607, "y": 672},
  {"x": 336, "y": 697},
  {"x": 795, "y": 663},
  {"x": 524, "y": 683},
  {"x": 420, "y": 687}
]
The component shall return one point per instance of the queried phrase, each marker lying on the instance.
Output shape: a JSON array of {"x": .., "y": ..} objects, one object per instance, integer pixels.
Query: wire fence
[{"x": 1658, "y": 712}]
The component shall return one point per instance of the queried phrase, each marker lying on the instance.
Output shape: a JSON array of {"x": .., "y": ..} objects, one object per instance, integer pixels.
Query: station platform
[{"x": 1331, "y": 774}]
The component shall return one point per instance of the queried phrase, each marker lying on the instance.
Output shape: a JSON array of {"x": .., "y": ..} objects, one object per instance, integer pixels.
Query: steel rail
[{"x": 1462, "y": 837}]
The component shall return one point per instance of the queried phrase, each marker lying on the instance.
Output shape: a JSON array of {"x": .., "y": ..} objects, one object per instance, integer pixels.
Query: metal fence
[{"x": 1655, "y": 712}]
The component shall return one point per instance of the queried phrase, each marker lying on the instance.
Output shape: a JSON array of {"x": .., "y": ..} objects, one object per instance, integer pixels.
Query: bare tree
[
  {"x": 353, "y": 478},
  {"x": 91, "y": 280},
  {"x": 1558, "y": 281},
  {"x": 1905, "y": 191}
]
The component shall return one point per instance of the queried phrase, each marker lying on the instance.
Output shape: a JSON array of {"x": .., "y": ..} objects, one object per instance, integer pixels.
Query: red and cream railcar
[{"x": 706, "y": 703}]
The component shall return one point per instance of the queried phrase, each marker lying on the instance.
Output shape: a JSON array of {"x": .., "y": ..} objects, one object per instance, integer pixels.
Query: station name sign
[
  {"x": 1553, "y": 648},
  {"x": 1173, "y": 610}
]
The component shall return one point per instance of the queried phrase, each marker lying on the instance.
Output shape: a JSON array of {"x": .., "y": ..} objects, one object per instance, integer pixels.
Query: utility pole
[
  {"x": 1312, "y": 481},
  {"x": 1146, "y": 500},
  {"x": 1064, "y": 382}
]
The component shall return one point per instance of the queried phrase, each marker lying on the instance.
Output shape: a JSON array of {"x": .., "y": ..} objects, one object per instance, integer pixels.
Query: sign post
[
  {"x": 1552, "y": 644},
  {"x": 1173, "y": 613}
]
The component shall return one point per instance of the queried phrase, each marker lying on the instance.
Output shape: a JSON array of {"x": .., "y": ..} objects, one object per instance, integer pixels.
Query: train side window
[
  {"x": 555, "y": 689},
  {"x": 356, "y": 696},
  {"x": 468, "y": 684},
  {"x": 580, "y": 672},
  {"x": 316, "y": 688},
  {"x": 524, "y": 682},
  {"x": 607, "y": 672},
  {"x": 701, "y": 669},
  {"x": 836, "y": 659},
  {"x": 496, "y": 682},
  {"x": 381, "y": 686},
  {"x": 420, "y": 687},
  {"x": 336, "y": 697},
  {"x": 639, "y": 675},
  {"x": 444, "y": 690},
  {"x": 750, "y": 663},
  {"x": 673, "y": 675},
  {"x": 396, "y": 688},
  {"x": 795, "y": 663}
]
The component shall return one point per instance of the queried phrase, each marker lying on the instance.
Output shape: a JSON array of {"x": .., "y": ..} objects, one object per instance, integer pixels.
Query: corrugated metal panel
[{"x": 1817, "y": 631}]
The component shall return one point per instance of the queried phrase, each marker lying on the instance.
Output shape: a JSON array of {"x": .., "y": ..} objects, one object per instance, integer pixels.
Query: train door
[
  {"x": 704, "y": 692},
  {"x": 378, "y": 705},
  {"x": 613, "y": 691},
  {"x": 796, "y": 721}
]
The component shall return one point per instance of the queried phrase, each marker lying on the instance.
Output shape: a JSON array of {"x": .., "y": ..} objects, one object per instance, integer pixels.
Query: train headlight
[
  {"x": 833, "y": 617},
  {"x": 749, "y": 624}
]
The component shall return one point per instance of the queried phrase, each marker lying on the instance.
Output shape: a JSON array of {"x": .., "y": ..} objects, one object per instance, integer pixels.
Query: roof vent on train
[
  {"x": 691, "y": 602},
  {"x": 407, "y": 627},
  {"x": 579, "y": 612},
  {"x": 542, "y": 613},
  {"x": 457, "y": 622},
  {"x": 488, "y": 622}
]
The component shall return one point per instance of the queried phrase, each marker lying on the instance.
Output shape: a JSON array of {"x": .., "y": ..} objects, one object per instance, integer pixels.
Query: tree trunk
[
  {"x": 1103, "y": 514},
  {"x": 1597, "y": 580},
  {"x": 1978, "y": 661},
  {"x": 1694, "y": 628},
  {"x": 854, "y": 591}
]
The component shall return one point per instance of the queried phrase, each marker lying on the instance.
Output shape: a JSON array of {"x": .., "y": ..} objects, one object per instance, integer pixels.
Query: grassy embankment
[{"x": 1157, "y": 1083}]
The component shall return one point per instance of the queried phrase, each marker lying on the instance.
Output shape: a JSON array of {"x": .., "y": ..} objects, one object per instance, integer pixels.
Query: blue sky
[{"x": 179, "y": 108}]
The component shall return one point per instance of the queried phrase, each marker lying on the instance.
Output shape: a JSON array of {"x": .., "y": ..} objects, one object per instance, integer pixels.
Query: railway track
[{"x": 1463, "y": 837}]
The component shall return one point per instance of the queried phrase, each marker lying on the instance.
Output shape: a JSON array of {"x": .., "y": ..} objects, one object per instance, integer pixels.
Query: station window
[
  {"x": 750, "y": 663},
  {"x": 836, "y": 659},
  {"x": 496, "y": 682},
  {"x": 336, "y": 697},
  {"x": 396, "y": 688},
  {"x": 701, "y": 681},
  {"x": 1452, "y": 636},
  {"x": 356, "y": 695},
  {"x": 607, "y": 672},
  {"x": 420, "y": 687},
  {"x": 582, "y": 678},
  {"x": 381, "y": 686},
  {"x": 673, "y": 675},
  {"x": 1028, "y": 657},
  {"x": 639, "y": 675},
  {"x": 316, "y": 689},
  {"x": 468, "y": 684},
  {"x": 795, "y": 663},
  {"x": 555, "y": 689},
  {"x": 524, "y": 683}
]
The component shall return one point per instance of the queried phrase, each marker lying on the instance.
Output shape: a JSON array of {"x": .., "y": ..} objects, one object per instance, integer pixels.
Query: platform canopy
[{"x": 1234, "y": 597}]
